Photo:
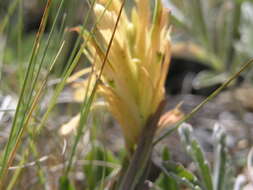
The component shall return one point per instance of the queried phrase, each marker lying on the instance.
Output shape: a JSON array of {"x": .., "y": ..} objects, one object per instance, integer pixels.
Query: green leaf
[
  {"x": 209, "y": 78},
  {"x": 175, "y": 174},
  {"x": 65, "y": 184},
  {"x": 96, "y": 173},
  {"x": 180, "y": 171},
  {"x": 174, "y": 179},
  {"x": 167, "y": 182},
  {"x": 194, "y": 150},
  {"x": 166, "y": 154},
  {"x": 203, "y": 166},
  {"x": 220, "y": 159}
]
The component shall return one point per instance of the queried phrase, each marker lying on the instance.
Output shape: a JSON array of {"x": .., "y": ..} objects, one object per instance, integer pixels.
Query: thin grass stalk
[
  {"x": 32, "y": 63},
  {"x": 101, "y": 187},
  {"x": 34, "y": 72},
  {"x": 210, "y": 97},
  {"x": 18, "y": 171},
  {"x": 37, "y": 97},
  {"x": 15, "y": 131},
  {"x": 71, "y": 64},
  {"x": 61, "y": 29},
  {"x": 3, "y": 25},
  {"x": 34, "y": 82},
  {"x": 39, "y": 171},
  {"x": 29, "y": 115},
  {"x": 32, "y": 143},
  {"x": 58, "y": 90},
  {"x": 47, "y": 46},
  {"x": 33, "y": 134},
  {"x": 10, "y": 11},
  {"x": 19, "y": 40},
  {"x": 77, "y": 43},
  {"x": 88, "y": 101}
]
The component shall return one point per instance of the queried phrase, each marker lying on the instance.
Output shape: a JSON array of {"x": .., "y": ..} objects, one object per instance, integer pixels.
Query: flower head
[{"x": 135, "y": 71}]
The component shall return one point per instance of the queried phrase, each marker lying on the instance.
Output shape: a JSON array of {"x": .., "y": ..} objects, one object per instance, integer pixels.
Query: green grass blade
[
  {"x": 10, "y": 11},
  {"x": 70, "y": 66},
  {"x": 89, "y": 100},
  {"x": 18, "y": 171},
  {"x": 210, "y": 97},
  {"x": 22, "y": 107}
]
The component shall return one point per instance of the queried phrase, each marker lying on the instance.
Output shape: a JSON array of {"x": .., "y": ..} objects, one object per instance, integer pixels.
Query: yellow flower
[{"x": 134, "y": 75}]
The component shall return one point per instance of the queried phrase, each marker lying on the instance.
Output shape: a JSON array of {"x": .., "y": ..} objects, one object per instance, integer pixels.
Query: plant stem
[{"x": 210, "y": 97}]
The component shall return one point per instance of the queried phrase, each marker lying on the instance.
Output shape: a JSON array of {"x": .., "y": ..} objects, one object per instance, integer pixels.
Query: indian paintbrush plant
[{"x": 132, "y": 77}]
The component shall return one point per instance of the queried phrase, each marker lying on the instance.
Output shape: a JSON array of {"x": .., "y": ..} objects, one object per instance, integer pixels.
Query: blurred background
[{"x": 211, "y": 39}]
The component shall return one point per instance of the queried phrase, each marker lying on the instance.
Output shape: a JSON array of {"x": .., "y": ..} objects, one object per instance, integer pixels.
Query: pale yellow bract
[{"x": 134, "y": 74}]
